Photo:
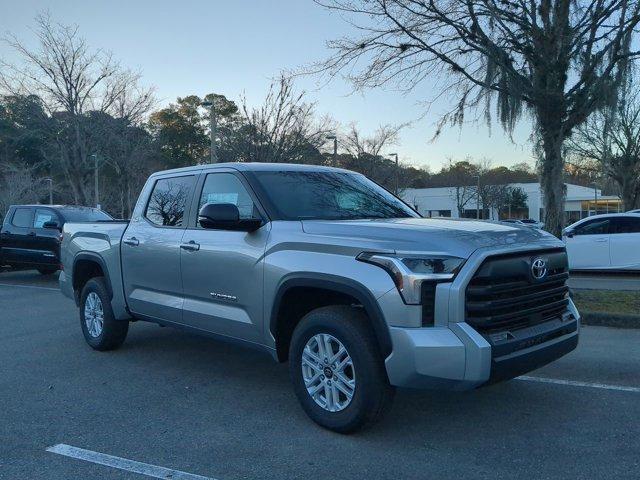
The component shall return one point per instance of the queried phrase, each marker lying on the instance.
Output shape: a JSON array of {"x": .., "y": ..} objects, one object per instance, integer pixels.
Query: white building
[{"x": 441, "y": 202}]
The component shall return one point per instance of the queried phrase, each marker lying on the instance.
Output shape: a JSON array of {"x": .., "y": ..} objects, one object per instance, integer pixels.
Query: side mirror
[
  {"x": 52, "y": 225},
  {"x": 569, "y": 233},
  {"x": 225, "y": 216}
]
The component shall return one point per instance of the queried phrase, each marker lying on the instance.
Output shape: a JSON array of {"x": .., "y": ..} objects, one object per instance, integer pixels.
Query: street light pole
[
  {"x": 213, "y": 125},
  {"x": 50, "y": 181},
  {"x": 95, "y": 180},
  {"x": 397, "y": 173},
  {"x": 478, "y": 198},
  {"x": 595, "y": 197},
  {"x": 335, "y": 149}
]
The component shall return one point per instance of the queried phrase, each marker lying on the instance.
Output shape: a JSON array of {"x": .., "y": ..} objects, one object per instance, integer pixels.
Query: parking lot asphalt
[{"x": 177, "y": 401}]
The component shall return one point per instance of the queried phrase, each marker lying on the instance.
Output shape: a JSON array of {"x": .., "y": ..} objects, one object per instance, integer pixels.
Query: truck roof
[
  {"x": 256, "y": 167},
  {"x": 65, "y": 207}
]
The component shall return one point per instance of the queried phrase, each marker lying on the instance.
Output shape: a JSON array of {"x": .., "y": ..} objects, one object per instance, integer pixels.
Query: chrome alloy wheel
[
  {"x": 328, "y": 373},
  {"x": 93, "y": 314}
]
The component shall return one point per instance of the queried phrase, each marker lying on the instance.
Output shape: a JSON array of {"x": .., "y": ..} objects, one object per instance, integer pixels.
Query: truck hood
[{"x": 459, "y": 237}]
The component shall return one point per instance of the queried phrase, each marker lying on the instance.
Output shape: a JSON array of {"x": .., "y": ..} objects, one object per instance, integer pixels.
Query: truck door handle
[
  {"x": 191, "y": 246},
  {"x": 133, "y": 241},
  {"x": 602, "y": 240}
]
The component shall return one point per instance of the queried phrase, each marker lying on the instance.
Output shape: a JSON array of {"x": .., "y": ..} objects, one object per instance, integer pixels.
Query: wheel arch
[
  {"x": 87, "y": 265},
  {"x": 333, "y": 289}
]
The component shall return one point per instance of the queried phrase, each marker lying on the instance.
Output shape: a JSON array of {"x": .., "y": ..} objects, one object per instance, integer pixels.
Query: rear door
[
  {"x": 625, "y": 242},
  {"x": 223, "y": 270},
  {"x": 47, "y": 240},
  {"x": 17, "y": 236},
  {"x": 151, "y": 249},
  {"x": 588, "y": 248}
]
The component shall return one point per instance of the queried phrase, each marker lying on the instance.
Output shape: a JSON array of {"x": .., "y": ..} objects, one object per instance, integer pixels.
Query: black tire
[
  {"x": 47, "y": 270},
  {"x": 372, "y": 396},
  {"x": 113, "y": 331}
]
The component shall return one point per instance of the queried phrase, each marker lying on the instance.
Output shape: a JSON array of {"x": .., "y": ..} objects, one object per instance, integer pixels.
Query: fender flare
[
  {"x": 95, "y": 258},
  {"x": 338, "y": 284}
]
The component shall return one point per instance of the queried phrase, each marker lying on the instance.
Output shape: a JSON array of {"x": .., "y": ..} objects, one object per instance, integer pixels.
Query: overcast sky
[{"x": 235, "y": 47}]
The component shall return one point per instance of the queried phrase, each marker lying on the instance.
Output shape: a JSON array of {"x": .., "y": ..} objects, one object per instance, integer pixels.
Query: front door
[
  {"x": 17, "y": 238},
  {"x": 47, "y": 240},
  {"x": 222, "y": 274},
  {"x": 151, "y": 250},
  {"x": 588, "y": 248}
]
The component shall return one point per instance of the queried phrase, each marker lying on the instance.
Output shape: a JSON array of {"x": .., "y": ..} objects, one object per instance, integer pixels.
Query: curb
[{"x": 615, "y": 320}]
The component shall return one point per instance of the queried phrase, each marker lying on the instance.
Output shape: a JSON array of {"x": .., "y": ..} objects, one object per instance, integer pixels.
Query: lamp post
[
  {"x": 335, "y": 148},
  {"x": 477, "y": 197},
  {"x": 50, "y": 181},
  {"x": 397, "y": 172},
  {"x": 212, "y": 130},
  {"x": 595, "y": 198},
  {"x": 95, "y": 180}
]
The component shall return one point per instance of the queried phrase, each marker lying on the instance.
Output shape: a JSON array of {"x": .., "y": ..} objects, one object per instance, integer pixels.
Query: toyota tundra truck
[{"x": 325, "y": 269}]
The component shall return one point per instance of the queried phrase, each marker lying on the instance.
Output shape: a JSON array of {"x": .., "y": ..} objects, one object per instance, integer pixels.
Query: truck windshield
[
  {"x": 81, "y": 215},
  {"x": 299, "y": 195}
]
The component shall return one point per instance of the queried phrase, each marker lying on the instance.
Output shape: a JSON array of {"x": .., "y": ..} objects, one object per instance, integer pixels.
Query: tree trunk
[
  {"x": 629, "y": 189},
  {"x": 552, "y": 179}
]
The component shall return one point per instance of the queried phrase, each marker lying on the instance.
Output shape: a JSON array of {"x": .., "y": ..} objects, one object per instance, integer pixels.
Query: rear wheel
[
  {"x": 337, "y": 370},
  {"x": 47, "y": 270},
  {"x": 101, "y": 330}
]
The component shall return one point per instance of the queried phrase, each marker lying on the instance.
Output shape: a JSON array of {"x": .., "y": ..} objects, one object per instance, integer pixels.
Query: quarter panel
[{"x": 83, "y": 240}]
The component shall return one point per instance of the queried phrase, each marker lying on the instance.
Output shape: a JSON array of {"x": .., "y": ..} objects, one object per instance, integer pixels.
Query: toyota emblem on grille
[{"x": 539, "y": 268}]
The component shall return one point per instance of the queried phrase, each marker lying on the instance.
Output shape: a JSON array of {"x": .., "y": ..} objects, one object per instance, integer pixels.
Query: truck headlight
[{"x": 409, "y": 271}]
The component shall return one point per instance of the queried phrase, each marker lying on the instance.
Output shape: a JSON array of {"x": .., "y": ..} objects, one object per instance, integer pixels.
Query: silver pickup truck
[{"x": 324, "y": 269}]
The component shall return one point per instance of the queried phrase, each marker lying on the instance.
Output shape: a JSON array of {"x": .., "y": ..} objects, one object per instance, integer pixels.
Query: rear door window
[
  {"x": 625, "y": 225},
  {"x": 22, "y": 217},
  {"x": 168, "y": 201}
]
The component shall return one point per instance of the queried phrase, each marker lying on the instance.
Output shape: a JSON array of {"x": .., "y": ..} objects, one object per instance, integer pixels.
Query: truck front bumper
[{"x": 459, "y": 358}]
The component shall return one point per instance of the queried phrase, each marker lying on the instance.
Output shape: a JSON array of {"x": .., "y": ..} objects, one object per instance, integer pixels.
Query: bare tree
[
  {"x": 283, "y": 128},
  {"x": 19, "y": 184},
  {"x": 555, "y": 60},
  {"x": 366, "y": 153},
  {"x": 609, "y": 143},
  {"x": 72, "y": 80},
  {"x": 359, "y": 145}
]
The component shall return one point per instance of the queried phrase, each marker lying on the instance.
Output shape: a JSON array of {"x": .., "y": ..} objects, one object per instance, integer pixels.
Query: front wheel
[
  {"x": 337, "y": 370},
  {"x": 101, "y": 330}
]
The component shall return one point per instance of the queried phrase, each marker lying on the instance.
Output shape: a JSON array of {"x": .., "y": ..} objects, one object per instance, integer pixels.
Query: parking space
[{"x": 185, "y": 405}]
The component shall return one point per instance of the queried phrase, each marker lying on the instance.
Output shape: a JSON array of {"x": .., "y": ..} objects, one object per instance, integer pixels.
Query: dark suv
[{"x": 31, "y": 234}]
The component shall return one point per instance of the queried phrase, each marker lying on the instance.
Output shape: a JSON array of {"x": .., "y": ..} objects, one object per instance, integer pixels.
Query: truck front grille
[{"x": 504, "y": 295}]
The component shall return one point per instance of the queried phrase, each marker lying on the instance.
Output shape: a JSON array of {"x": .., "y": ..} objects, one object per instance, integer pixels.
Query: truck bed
[{"x": 97, "y": 241}]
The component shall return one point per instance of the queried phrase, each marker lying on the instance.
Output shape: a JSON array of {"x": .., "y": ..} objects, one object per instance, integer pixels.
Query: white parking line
[
  {"x": 29, "y": 286},
  {"x": 123, "y": 464},
  {"x": 574, "y": 383}
]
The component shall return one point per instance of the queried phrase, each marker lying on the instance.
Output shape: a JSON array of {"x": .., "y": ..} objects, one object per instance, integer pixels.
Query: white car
[{"x": 604, "y": 242}]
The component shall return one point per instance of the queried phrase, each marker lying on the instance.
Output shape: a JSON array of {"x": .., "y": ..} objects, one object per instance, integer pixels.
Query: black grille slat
[
  {"x": 503, "y": 295},
  {"x": 509, "y": 302},
  {"x": 491, "y": 320}
]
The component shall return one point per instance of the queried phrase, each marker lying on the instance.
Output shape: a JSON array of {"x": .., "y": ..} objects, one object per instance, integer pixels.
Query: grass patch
[{"x": 607, "y": 301}]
